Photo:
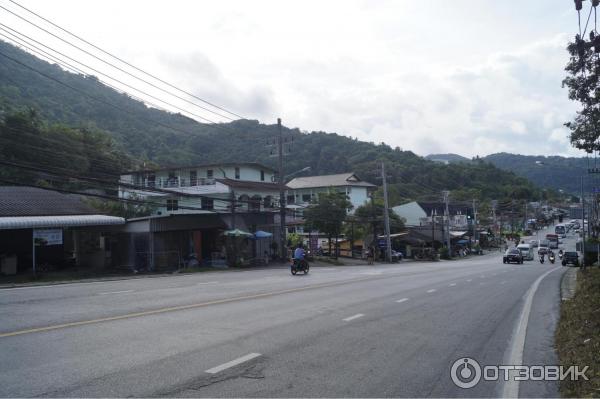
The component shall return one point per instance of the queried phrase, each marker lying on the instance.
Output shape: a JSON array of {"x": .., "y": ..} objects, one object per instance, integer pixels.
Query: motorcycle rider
[
  {"x": 299, "y": 255},
  {"x": 541, "y": 258}
]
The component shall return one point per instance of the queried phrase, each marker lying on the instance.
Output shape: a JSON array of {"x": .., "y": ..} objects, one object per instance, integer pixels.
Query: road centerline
[
  {"x": 356, "y": 316},
  {"x": 233, "y": 363}
]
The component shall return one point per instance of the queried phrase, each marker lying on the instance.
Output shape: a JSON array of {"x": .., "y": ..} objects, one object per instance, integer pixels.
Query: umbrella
[
  {"x": 237, "y": 233},
  {"x": 262, "y": 234}
]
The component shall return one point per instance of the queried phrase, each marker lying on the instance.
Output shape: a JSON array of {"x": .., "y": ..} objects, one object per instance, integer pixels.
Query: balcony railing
[{"x": 176, "y": 183}]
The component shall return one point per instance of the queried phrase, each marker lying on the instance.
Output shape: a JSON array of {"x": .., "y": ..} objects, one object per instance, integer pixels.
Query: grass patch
[{"x": 578, "y": 335}]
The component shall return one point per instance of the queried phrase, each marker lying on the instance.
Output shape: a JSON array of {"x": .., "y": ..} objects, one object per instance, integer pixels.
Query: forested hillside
[{"x": 150, "y": 135}]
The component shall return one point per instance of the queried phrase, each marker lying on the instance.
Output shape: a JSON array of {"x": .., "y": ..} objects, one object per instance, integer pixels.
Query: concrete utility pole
[
  {"x": 446, "y": 195},
  {"x": 282, "y": 235},
  {"x": 475, "y": 233},
  {"x": 582, "y": 224},
  {"x": 386, "y": 216}
]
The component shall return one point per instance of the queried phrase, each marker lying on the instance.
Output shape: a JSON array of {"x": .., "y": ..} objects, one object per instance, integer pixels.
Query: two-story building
[
  {"x": 302, "y": 190},
  {"x": 193, "y": 206}
]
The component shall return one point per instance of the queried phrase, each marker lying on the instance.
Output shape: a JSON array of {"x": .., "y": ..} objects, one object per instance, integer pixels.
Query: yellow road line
[{"x": 181, "y": 307}]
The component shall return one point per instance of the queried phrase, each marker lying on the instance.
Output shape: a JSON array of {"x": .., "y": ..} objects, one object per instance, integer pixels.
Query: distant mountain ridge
[{"x": 555, "y": 172}]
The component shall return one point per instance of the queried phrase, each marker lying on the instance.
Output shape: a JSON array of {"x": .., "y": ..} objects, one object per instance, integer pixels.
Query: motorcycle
[
  {"x": 299, "y": 265},
  {"x": 560, "y": 254},
  {"x": 542, "y": 259},
  {"x": 551, "y": 258}
]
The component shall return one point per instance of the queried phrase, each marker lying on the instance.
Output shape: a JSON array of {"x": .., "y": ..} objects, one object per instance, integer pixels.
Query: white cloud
[{"x": 437, "y": 76}]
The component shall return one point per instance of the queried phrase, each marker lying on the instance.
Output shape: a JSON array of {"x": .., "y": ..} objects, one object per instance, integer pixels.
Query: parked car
[
  {"x": 512, "y": 255},
  {"x": 397, "y": 256},
  {"x": 570, "y": 258}
]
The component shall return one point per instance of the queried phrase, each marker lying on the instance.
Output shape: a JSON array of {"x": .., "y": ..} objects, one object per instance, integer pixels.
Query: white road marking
[
  {"x": 233, "y": 363},
  {"x": 115, "y": 292},
  {"x": 431, "y": 290},
  {"x": 208, "y": 282},
  {"x": 402, "y": 300},
  {"x": 451, "y": 285},
  {"x": 356, "y": 316},
  {"x": 469, "y": 280},
  {"x": 511, "y": 387}
]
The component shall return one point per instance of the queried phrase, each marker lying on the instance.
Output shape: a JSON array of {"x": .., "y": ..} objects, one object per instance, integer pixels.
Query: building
[
  {"x": 47, "y": 230},
  {"x": 195, "y": 205},
  {"x": 208, "y": 188},
  {"x": 302, "y": 190},
  {"x": 419, "y": 213}
]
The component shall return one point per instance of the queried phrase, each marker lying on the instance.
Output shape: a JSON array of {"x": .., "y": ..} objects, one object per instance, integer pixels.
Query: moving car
[
  {"x": 512, "y": 255},
  {"x": 526, "y": 251},
  {"x": 534, "y": 243},
  {"x": 570, "y": 258}
]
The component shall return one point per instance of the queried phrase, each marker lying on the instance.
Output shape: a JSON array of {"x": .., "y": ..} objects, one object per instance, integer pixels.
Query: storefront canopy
[
  {"x": 35, "y": 222},
  {"x": 262, "y": 234},
  {"x": 238, "y": 233}
]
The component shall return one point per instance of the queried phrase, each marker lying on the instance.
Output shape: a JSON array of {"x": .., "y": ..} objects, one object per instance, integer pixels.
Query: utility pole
[
  {"x": 475, "y": 233},
  {"x": 433, "y": 213},
  {"x": 446, "y": 195},
  {"x": 386, "y": 216},
  {"x": 282, "y": 235},
  {"x": 583, "y": 224}
]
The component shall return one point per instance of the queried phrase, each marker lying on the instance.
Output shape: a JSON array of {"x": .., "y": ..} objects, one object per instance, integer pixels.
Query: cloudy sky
[{"x": 464, "y": 76}]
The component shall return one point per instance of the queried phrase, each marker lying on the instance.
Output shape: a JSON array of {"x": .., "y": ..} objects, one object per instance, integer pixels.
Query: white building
[
  {"x": 302, "y": 190},
  {"x": 208, "y": 188}
]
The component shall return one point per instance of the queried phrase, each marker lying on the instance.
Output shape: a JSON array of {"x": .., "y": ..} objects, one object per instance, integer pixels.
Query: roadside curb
[{"x": 568, "y": 283}]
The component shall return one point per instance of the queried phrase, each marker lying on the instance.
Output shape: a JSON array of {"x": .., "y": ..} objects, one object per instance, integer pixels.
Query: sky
[{"x": 471, "y": 77}]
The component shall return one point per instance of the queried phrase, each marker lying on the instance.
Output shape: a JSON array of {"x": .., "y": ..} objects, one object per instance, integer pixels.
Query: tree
[
  {"x": 327, "y": 214},
  {"x": 370, "y": 216},
  {"x": 583, "y": 70}
]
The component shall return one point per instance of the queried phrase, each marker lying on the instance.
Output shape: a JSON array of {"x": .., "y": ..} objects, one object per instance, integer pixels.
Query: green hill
[
  {"x": 151, "y": 135},
  {"x": 559, "y": 173}
]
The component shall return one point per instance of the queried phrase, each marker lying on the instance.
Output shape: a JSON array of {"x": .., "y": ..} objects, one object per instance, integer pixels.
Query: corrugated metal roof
[
  {"x": 339, "y": 180},
  {"x": 35, "y": 222},
  {"x": 32, "y": 201}
]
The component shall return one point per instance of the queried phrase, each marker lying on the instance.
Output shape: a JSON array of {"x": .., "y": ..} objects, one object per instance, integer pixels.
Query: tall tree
[{"x": 327, "y": 214}]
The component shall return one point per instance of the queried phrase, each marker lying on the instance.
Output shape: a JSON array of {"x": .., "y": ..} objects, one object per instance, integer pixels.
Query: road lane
[{"x": 377, "y": 354}]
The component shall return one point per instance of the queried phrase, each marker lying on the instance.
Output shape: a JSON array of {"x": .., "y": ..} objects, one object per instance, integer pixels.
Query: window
[
  {"x": 207, "y": 203},
  {"x": 193, "y": 178},
  {"x": 262, "y": 175},
  {"x": 209, "y": 173},
  {"x": 291, "y": 199},
  {"x": 237, "y": 172},
  {"x": 151, "y": 181},
  {"x": 306, "y": 197},
  {"x": 172, "y": 205}
]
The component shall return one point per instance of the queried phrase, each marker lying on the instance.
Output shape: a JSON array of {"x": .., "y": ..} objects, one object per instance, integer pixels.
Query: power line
[
  {"x": 61, "y": 62},
  {"x": 125, "y": 62},
  {"x": 119, "y": 68}
]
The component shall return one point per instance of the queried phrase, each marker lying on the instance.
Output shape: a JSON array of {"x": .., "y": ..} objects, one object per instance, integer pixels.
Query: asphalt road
[{"x": 367, "y": 331}]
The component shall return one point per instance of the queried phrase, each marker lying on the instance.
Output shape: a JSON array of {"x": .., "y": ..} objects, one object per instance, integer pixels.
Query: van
[{"x": 526, "y": 251}]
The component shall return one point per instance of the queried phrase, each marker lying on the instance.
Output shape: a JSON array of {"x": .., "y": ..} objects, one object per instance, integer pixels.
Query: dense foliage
[{"x": 151, "y": 135}]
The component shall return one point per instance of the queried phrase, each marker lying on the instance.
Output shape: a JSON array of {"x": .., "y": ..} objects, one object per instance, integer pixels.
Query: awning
[
  {"x": 395, "y": 235},
  {"x": 458, "y": 233},
  {"x": 34, "y": 222},
  {"x": 262, "y": 234}
]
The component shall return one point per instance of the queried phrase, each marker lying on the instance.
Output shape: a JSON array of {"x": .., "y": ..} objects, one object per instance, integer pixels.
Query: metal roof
[
  {"x": 32, "y": 201},
  {"x": 339, "y": 180},
  {"x": 29, "y": 222}
]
